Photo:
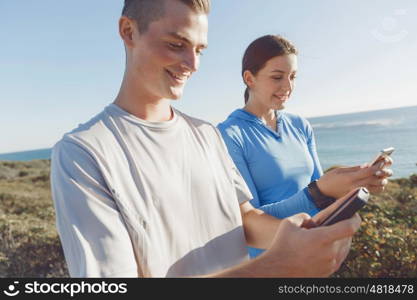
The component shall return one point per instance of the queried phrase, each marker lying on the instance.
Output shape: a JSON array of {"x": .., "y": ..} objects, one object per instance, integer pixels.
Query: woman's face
[{"x": 272, "y": 86}]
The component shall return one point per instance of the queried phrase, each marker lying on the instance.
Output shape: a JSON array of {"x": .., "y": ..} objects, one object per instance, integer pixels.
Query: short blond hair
[{"x": 146, "y": 11}]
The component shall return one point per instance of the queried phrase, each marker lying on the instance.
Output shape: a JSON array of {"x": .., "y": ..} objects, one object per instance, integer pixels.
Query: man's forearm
[{"x": 260, "y": 228}]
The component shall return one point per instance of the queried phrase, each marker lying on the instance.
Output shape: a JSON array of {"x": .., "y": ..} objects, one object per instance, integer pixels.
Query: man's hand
[{"x": 300, "y": 252}]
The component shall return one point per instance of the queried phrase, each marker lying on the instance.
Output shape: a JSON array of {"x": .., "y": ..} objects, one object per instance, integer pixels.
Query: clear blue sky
[{"x": 61, "y": 62}]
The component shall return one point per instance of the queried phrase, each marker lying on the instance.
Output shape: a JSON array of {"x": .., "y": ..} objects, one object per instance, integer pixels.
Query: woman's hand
[
  {"x": 340, "y": 181},
  {"x": 382, "y": 175}
]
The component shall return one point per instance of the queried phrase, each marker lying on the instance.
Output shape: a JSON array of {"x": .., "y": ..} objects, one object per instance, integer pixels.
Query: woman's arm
[
  {"x": 312, "y": 149},
  {"x": 299, "y": 202},
  {"x": 339, "y": 181}
]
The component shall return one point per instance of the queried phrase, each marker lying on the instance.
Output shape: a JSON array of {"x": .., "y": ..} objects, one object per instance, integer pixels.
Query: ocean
[
  {"x": 348, "y": 139},
  {"x": 356, "y": 138},
  {"x": 27, "y": 155}
]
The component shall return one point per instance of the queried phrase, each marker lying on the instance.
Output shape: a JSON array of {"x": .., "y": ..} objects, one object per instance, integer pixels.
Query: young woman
[{"x": 275, "y": 151}]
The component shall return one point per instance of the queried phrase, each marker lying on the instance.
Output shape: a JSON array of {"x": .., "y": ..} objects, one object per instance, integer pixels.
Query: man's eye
[{"x": 176, "y": 45}]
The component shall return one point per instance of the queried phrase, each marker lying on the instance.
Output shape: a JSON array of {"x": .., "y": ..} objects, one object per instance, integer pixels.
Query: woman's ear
[
  {"x": 248, "y": 78},
  {"x": 126, "y": 30}
]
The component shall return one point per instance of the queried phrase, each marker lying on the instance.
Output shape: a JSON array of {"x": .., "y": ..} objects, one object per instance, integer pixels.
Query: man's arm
[
  {"x": 260, "y": 228},
  {"x": 94, "y": 237},
  {"x": 292, "y": 249},
  {"x": 299, "y": 252}
]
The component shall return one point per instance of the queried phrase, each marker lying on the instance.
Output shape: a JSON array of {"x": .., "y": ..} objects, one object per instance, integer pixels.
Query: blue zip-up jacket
[{"x": 277, "y": 166}]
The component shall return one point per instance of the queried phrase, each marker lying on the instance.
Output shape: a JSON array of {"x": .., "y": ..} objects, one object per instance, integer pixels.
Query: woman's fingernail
[
  {"x": 381, "y": 165},
  {"x": 378, "y": 173}
]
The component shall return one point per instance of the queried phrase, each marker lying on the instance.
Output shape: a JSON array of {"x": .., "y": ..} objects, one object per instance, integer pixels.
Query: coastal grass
[
  {"x": 386, "y": 243},
  {"x": 385, "y": 246},
  {"x": 29, "y": 244}
]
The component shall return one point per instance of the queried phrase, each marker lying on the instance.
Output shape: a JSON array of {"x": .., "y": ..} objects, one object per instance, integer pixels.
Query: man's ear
[
  {"x": 248, "y": 78},
  {"x": 126, "y": 30}
]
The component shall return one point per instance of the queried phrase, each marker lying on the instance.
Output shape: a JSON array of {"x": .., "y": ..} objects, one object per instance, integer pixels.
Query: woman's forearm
[{"x": 297, "y": 203}]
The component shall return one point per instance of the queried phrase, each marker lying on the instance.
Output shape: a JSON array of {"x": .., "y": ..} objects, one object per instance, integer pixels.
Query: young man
[{"x": 144, "y": 190}]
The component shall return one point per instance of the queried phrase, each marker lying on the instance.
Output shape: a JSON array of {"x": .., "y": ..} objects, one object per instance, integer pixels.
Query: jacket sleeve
[
  {"x": 299, "y": 202},
  {"x": 311, "y": 144},
  {"x": 236, "y": 153}
]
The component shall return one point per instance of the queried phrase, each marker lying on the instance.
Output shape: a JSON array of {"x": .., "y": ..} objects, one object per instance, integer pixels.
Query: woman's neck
[{"x": 266, "y": 115}]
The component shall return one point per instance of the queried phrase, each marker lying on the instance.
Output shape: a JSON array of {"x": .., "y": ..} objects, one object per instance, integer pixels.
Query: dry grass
[
  {"x": 30, "y": 247},
  {"x": 29, "y": 244}
]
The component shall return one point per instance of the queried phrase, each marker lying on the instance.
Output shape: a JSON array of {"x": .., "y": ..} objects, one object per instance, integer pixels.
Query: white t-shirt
[{"x": 137, "y": 198}]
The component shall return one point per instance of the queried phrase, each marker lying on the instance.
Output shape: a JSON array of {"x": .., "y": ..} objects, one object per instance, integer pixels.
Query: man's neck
[
  {"x": 152, "y": 112},
  {"x": 136, "y": 102}
]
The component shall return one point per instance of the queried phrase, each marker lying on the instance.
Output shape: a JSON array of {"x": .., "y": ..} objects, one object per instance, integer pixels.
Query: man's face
[{"x": 164, "y": 57}]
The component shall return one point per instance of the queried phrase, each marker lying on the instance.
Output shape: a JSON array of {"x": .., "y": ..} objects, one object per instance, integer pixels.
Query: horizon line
[
  {"x": 359, "y": 111},
  {"x": 310, "y": 117}
]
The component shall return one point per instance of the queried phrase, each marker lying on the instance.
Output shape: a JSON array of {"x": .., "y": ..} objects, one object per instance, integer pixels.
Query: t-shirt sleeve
[
  {"x": 243, "y": 192},
  {"x": 242, "y": 178},
  {"x": 94, "y": 237}
]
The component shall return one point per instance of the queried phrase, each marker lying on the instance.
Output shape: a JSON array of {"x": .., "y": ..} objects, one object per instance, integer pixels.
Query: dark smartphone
[{"x": 353, "y": 201}]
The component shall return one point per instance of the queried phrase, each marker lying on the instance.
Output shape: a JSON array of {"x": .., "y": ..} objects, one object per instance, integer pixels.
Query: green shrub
[
  {"x": 386, "y": 242},
  {"x": 23, "y": 173},
  {"x": 413, "y": 180}
]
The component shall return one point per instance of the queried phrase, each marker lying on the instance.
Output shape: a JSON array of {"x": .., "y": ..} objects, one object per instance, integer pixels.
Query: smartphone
[
  {"x": 382, "y": 154},
  {"x": 346, "y": 208}
]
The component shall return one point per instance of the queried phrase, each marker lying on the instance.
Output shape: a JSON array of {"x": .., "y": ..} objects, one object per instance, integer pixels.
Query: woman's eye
[{"x": 277, "y": 78}]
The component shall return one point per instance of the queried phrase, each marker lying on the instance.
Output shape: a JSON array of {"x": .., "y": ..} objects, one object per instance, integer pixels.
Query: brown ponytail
[{"x": 246, "y": 94}]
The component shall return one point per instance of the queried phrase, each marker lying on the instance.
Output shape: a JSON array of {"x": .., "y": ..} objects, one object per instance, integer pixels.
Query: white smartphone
[{"x": 382, "y": 154}]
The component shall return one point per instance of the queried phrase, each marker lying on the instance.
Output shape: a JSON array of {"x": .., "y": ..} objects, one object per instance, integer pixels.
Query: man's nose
[{"x": 191, "y": 61}]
